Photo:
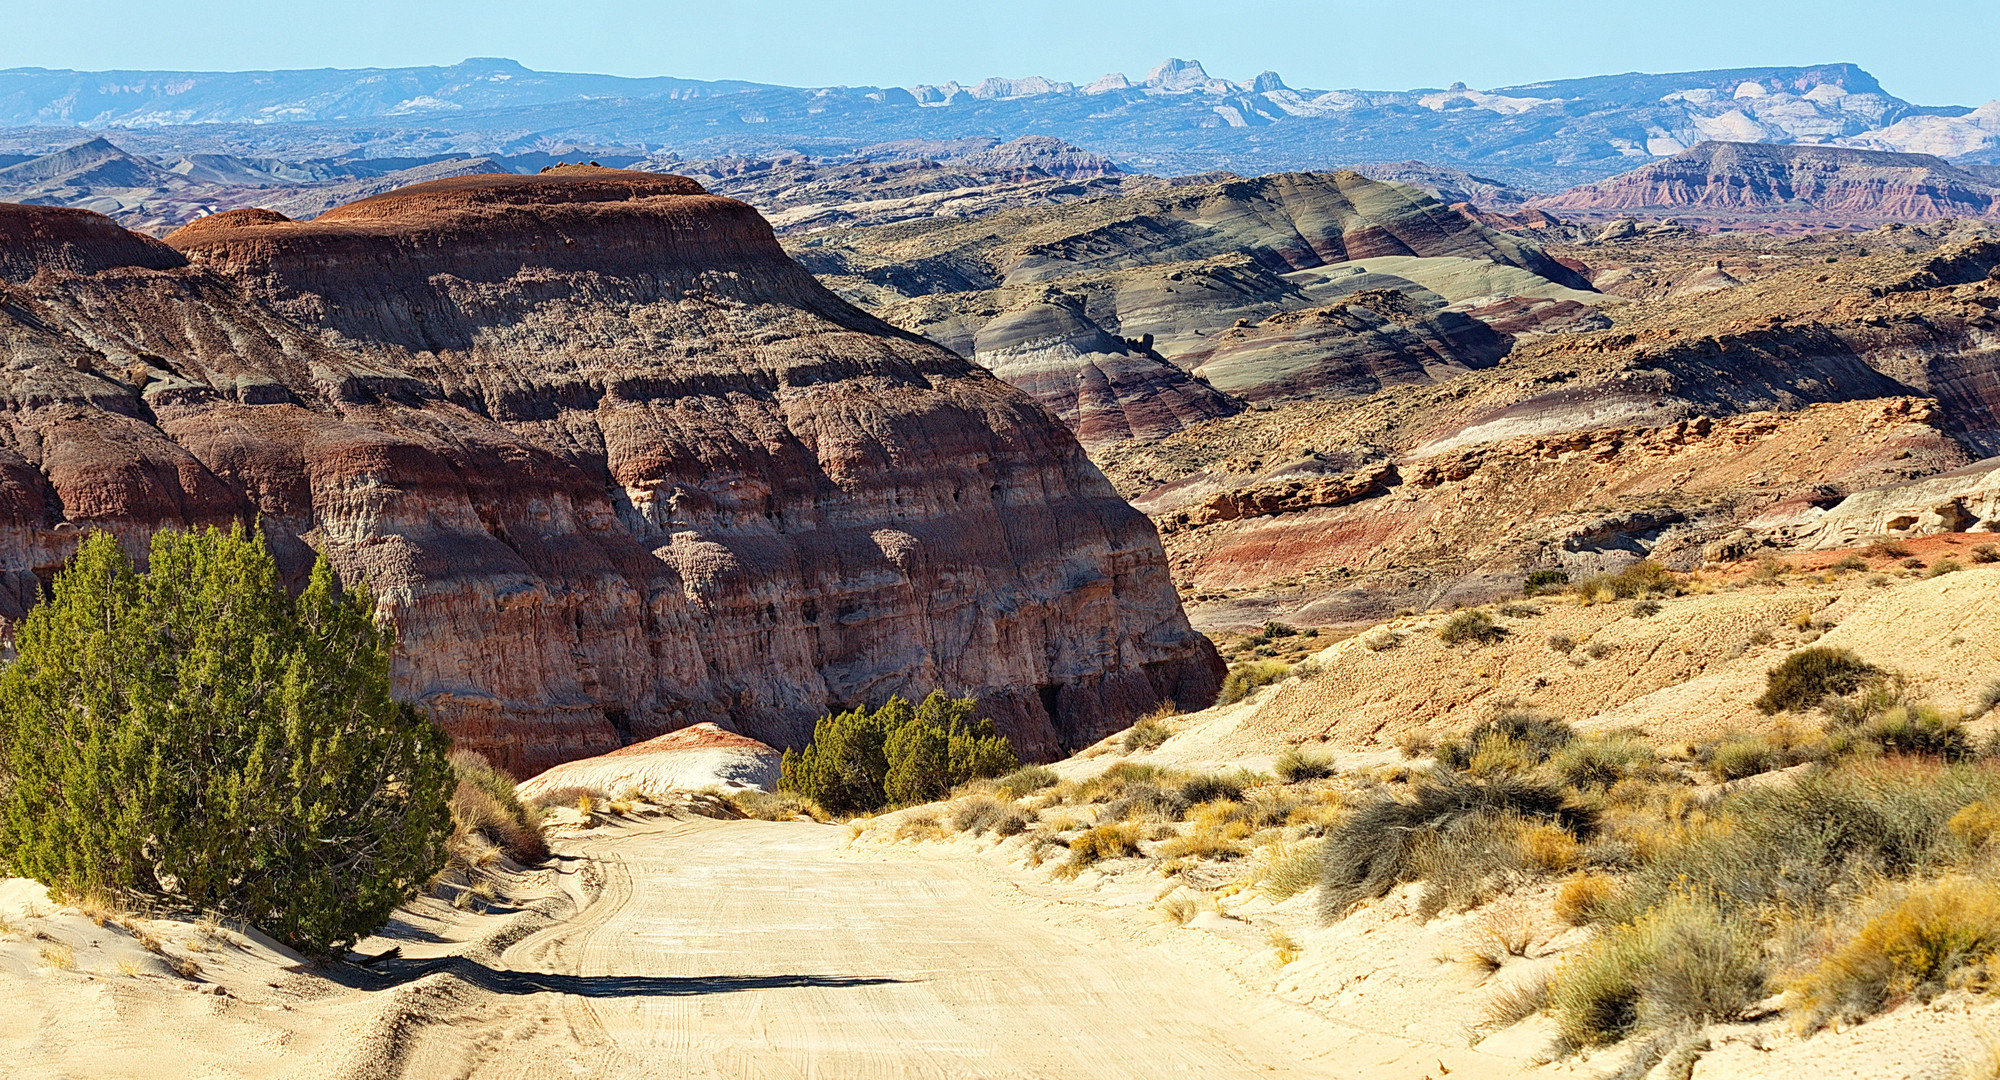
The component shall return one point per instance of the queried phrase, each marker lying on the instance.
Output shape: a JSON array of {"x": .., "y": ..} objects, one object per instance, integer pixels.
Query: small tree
[
  {"x": 899, "y": 755},
  {"x": 194, "y": 738}
]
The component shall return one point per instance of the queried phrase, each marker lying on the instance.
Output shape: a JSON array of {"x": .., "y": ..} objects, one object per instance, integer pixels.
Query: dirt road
[{"x": 748, "y": 949}]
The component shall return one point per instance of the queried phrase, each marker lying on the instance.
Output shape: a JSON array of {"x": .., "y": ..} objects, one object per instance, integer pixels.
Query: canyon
[{"x": 612, "y": 463}]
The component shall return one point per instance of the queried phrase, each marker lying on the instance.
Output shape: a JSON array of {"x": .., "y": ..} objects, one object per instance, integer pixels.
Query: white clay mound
[{"x": 691, "y": 759}]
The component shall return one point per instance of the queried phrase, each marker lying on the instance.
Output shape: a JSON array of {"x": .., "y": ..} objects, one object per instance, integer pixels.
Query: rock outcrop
[{"x": 611, "y": 461}]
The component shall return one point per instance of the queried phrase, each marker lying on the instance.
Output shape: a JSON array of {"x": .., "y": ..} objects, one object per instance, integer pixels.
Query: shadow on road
[{"x": 396, "y": 972}]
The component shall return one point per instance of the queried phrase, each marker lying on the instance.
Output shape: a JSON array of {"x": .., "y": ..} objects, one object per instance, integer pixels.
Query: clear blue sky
[{"x": 1934, "y": 52}]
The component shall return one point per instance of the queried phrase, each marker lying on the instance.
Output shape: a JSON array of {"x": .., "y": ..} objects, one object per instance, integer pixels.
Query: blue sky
[{"x": 1932, "y": 52}]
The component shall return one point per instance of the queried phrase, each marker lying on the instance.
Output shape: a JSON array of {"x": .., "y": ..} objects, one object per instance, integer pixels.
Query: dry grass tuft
[
  {"x": 1094, "y": 845},
  {"x": 57, "y": 956},
  {"x": 921, "y": 827},
  {"x": 1284, "y": 946},
  {"x": 1516, "y": 1001},
  {"x": 1582, "y": 897}
]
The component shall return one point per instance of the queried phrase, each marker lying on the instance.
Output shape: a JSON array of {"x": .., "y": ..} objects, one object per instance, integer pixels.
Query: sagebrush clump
[
  {"x": 1810, "y": 676},
  {"x": 1471, "y": 625},
  {"x": 194, "y": 738},
  {"x": 1245, "y": 678}
]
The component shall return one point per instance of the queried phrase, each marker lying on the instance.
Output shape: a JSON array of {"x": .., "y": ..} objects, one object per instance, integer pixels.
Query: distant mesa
[{"x": 1824, "y": 184}]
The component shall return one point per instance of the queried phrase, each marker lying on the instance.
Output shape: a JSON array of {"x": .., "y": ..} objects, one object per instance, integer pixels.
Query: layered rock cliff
[{"x": 612, "y": 462}]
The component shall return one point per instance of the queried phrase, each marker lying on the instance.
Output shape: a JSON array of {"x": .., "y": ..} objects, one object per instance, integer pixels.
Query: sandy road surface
[{"x": 748, "y": 949}]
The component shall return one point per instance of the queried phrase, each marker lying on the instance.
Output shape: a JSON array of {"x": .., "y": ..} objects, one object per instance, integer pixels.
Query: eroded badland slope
[{"x": 611, "y": 461}]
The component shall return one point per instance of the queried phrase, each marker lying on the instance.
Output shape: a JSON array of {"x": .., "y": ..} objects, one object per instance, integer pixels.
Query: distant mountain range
[{"x": 1178, "y": 119}]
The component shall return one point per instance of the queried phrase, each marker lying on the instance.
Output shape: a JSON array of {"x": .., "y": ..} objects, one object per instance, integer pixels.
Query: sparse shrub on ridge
[
  {"x": 1644, "y": 578},
  {"x": 1028, "y": 780},
  {"x": 1247, "y": 677},
  {"x": 1807, "y": 677},
  {"x": 1985, "y": 553},
  {"x": 1515, "y": 739},
  {"x": 1300, "y": 763},
  {"x": 1539, "y": 580},
  {"x": 1147, "y": 734},
  {"x": 1470, "y": 625},
  {"x": 195, "y": 738}
]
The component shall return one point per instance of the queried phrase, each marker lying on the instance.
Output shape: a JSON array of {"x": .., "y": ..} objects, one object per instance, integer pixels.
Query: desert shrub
[
  {"x": 1919, "y": 938},
  {"x": 1246, "y": 677},
  {"x": 1275, "y": 630},
  {"x": 1389, "y": 840},
  {"x": 1288, "y": 871},
  {"x": 1520, "y": 611},
  {"x": 1147, "y": 801},
  {"x": 1810, "y": 676},
  {"x": 1516, "y": 1001},
  {"x": 1515, "y": 738},
  {"x": 1803, "y": 844},
  {"x": 194, "y": 738},
  {"x": 1381, "y": 639},
  {"x": 1596, "y": 762},
  {"x": 1943, "y": 567},
  {"x": 1147, "y": 734},
  {"x": 582, "y": 796},
  {"x": 1886, "y": 549},
  {"x": 1976, "y": 825},
  {"x": 1646, "y": 609},
  {"x": 1028, "y": 780},
  {"x": 1985, "y": 553},
  {"x": 981, "y": 815},
  {"x": 1851, "y": 562},
  {"x": 1597, "y": 650},
  {"x": 775, "y": 806},
  {"x": 1562, "y": 643},
  {"x": 1229, "y": 786},
  {"x": 1583, "y": 896},
  {"x": 1094, "y": 845},
  {"x": 484, "y": 804},
  {"x": 1207, "y": 840},
  {"x": 1917, "y": 729},
  {"x": 1642, "y": 578},
  {"x": 1470, "y": 625},
  {"x": 1300, "y": 763},
  {"x": 1687, "y": 961},
  {"x": 1538, "y": 580},
  {"x": 898, "y": 755}
]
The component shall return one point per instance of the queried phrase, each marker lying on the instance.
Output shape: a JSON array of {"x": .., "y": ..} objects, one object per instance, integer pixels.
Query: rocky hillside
[
  {"x": 1726, "y": 412},
  {"x": 1137, "y": 316},
  {"x": 1733, "y": 183},
  {"x": 611, "y": 461}
]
